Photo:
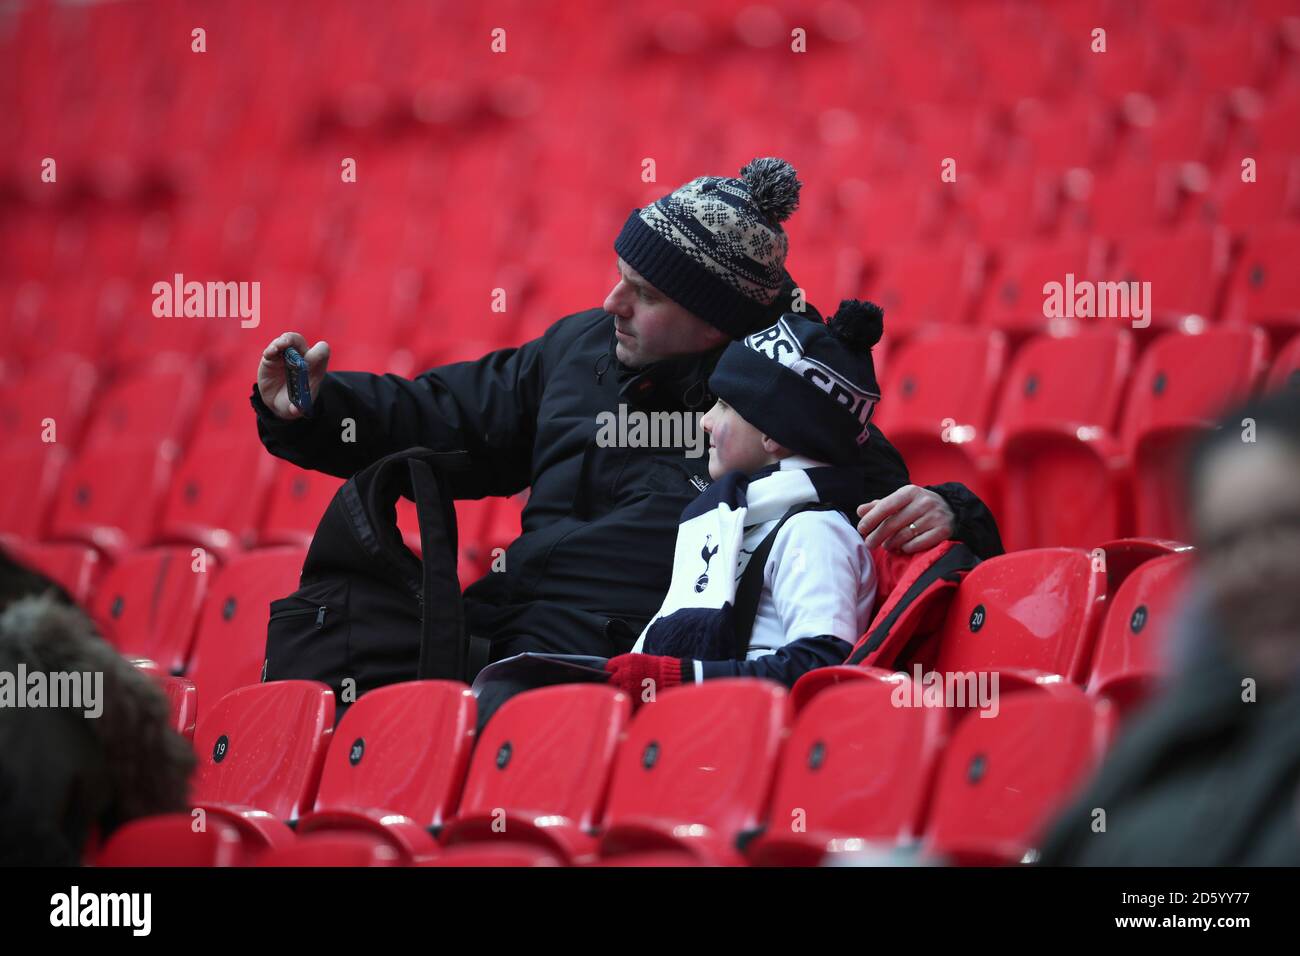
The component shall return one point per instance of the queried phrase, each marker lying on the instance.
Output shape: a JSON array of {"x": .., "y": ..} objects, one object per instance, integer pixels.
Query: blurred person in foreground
[
  {"x": 1209, "y": 775},
  {"x": 67, "y": 778}
]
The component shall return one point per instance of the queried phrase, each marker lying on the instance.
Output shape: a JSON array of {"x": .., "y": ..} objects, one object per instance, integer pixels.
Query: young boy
[{"x": 793, "y": 403}]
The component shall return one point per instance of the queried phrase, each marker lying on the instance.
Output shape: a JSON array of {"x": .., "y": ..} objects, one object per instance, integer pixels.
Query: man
[{"x": 698, "y": 268}]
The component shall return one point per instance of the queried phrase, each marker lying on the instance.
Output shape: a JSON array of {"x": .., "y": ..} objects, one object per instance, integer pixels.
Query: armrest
[
  {"x": 817, "y": 680},
  {"x": 405, "y": 835},
  {"x": 258, "y": 830},
  {"x": 650, "y": 834},
  {"x": 558, "y": 834},
  {"x": 1100, "y": 442}
]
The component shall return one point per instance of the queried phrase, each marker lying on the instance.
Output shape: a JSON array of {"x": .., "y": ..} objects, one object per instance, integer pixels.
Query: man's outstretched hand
[
  {"x": 271, "y": 381},
  {"x": 909, "y": 520}
]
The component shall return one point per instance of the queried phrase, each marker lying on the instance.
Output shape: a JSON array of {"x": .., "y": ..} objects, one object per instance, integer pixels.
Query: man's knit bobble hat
[
  {"x": 715, "y": 246},
  {"x": 808, "y": 386}
]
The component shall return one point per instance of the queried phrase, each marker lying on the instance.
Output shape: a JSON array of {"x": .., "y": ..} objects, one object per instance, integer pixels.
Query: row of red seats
[
  {"x": 1050, "y": 61},
  {"x": 561, "y": 777},
  {"x": 557, "y": 777},
  {"x": 1192, "y": 274},
  {"x": 298, "y": 215},
  {"x": 154, "y": 460},
  {"x": 1074, "y": 439},
  {"x": 209, "y": 623},
  {"x": 1195, "y": 277},
  {"x": 203, "y": 615}
]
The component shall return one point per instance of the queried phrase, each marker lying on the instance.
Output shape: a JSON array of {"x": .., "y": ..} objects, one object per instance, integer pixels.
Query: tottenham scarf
[{"x": 718, "y": 533}]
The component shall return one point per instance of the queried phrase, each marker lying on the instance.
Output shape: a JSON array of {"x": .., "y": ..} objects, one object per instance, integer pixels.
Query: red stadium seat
[
  {"x": 148, "y": 605},
  {"x": 171, "y": 840},
  {"x": 149, "y": 408},
  {"x": 695, "y": 770},
  {"x": 824, "y": 276},
  {"x": 110, "y": 496},
  {"x": 260, "y": 753},
  {"x": 925, "y": 286},
  {"x": 1017, "y": 210},
  {"x": 937, "y": 403},
  {"x": 1062, "y": 471},
  {"x": 1003, "y": 777},
  {"x": 1221, "y": 60},
  {"x": 883, "y": 216},
  {"x": 204, "y": 506},
  {"x": 1184, "y": 131},
  {"x": 230, "y": 645},
  {"x": 74, "y": 566},
  {"x": 856, "y": 767},
  {"x": 1274, "y": 194},
  {"x": 1186, "y": 271},
  {"x": 1125, "y": 555},
  {"x": 226, "y": 409},
  {"x": 1181, "y": 384},
  {"x": 39, "y": 472},
  {"x": 541, "y": 771},
  {"x": 1286, "y": 367},
  {"x": 1277, "y": 128},
  {"x": 1137, "y": 60},
  {"x": 1265, "y": 288},
  {"x": 73, "y": 312},
  {"x": 334, "y": 849},
  {"x": 298, "y": 500},
  {"x": 1026, "y": 614},
  {"x": 488, "y": 854},
  {"x": 1063, "y": 137},
  {"x": 182, "y": 700},
  {"x": 59, "y": 390},
  {"x": 396, "y": 765},
  {"x": 1130, "y": 651},
  {"x": 1015, "y": 299},
  {"x": 1127, "y": 199}
]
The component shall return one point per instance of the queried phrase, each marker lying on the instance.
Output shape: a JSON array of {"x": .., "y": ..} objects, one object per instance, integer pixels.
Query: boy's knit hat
[
  {"x": 807, "y": 385},
  {"x": 715, "y": 246}
]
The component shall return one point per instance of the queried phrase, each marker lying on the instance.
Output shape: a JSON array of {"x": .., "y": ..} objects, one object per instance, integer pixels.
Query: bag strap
[
  {"x": 953, "y": 565},
  {"x": 442, "y": 609},
  {"x": 750, "y": 589}
]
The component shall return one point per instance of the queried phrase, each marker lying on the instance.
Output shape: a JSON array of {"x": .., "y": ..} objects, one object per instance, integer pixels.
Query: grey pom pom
[{"x": 774, "y": 187}]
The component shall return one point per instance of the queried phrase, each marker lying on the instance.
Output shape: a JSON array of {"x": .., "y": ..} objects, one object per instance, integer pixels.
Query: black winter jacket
[{"x": 595, "y": 556}]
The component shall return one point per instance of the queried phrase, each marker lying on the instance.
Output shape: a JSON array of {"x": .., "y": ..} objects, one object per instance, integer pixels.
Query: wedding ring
[{"x": 912, "y": 527}]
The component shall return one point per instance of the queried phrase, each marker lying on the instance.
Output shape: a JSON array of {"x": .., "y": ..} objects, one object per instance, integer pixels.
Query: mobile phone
[{"x": 295, "y": 373}]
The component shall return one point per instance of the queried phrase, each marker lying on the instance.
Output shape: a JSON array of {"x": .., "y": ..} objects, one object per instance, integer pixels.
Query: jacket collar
[{"x": 680, "y": 383}]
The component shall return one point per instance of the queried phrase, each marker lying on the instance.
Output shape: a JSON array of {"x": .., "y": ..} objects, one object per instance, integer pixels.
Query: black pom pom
[
  {"x": 773, "y": 186},
  {"x": 858, "y": 324}
]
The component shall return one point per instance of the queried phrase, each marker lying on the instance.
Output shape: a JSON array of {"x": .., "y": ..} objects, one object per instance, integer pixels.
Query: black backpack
[{"x": 367, "y": 610}]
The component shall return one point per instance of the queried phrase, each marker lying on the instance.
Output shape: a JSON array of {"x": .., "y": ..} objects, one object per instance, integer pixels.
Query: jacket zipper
[{"x": 318, "y": 611}]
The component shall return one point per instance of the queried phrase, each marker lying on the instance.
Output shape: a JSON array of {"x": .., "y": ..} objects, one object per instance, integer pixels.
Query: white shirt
[{"x": 819, "y": 579}]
